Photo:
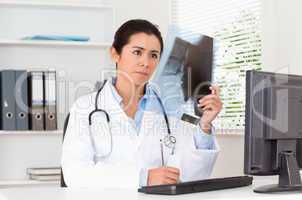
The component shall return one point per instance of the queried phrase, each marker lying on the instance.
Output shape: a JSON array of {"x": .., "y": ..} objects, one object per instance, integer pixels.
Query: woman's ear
[{"x": 114, "y": 55}]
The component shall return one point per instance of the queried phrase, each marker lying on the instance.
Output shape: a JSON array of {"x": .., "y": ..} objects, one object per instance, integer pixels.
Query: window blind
[{"x": 235, "y": 24}]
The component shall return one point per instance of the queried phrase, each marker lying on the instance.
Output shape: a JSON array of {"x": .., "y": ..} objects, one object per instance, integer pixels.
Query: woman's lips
[{"x": 142, "y": 73}]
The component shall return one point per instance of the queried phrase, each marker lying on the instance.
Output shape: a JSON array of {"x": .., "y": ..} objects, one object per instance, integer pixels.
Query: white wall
[
  {"x": 156, "y": 11},
  {"x": 281, "y": 35},
  {"x": 231, "y": 157}
]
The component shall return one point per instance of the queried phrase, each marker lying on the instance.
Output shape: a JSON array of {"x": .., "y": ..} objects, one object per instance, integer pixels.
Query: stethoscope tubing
[{"x": 171, "y": 140}]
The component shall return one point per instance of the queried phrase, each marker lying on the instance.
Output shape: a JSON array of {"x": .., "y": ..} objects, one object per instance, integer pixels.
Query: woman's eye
[
  {"x": 137, "y": 52},
  {"x": 155, "y": 56}
]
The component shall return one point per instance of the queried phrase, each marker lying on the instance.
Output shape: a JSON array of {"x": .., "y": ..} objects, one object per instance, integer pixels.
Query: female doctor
[{"x": 121, "y": 136}]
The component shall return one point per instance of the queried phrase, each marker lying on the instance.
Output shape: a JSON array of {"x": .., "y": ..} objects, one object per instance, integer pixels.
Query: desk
[{"x": 56, "y": 193}]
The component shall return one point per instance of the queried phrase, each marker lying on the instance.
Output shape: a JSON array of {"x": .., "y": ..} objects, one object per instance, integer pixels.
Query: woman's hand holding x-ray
[{"x": 211, "y": 106}]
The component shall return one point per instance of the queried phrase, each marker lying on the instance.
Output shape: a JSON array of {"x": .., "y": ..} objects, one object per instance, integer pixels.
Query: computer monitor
[{"x": 273, "y": 129}]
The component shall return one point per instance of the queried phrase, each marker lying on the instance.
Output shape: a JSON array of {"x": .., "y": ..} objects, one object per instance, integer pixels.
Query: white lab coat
[{"x": 132, "y": 153}]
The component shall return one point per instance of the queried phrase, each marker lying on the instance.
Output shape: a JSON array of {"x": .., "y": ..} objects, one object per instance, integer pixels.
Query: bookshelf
[
  {"x": 54, "y": 44},
  {"x": 94, "y": 18},
  {"x": 32, "y": 133},
  {"x": 23, "y": 183},
  {"x": 69, "y": 5}
]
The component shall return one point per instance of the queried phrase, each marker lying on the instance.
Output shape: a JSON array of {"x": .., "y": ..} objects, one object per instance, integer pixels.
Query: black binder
[
  {"x": 8, "y": 110},
  {"x": 21, "y": 97}
]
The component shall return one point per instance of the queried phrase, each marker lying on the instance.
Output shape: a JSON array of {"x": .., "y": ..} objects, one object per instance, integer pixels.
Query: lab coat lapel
[
  {"x": 124, "y": 134},
  {"x": 114, "y": 109},
  {"x": 153, "y": 128}
]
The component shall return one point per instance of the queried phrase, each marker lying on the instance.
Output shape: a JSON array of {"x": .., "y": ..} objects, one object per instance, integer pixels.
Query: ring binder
[
  {"x": 8, "y": 109},
  {"x": 36, "y": 97},
  {"x": 21, "y": 97},
  {"x": 50, "y": 100}
]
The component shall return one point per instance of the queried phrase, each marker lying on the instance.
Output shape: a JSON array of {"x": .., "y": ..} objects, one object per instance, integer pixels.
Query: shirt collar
[
  {"x": 119, "y": 99},
  {"x": 115, "y": 94}
]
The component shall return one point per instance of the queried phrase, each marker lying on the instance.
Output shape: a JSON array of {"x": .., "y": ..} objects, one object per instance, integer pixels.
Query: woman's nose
[
  {"x": 144, "y": 64},
  {"x": 144, "y": 61}
]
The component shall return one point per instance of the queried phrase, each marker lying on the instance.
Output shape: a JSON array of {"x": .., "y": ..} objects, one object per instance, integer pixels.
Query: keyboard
[{"x": 198, "y": 186}]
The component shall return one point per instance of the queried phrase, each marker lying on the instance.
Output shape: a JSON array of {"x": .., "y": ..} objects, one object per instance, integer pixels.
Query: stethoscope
[{"x": 168, "y": 140}]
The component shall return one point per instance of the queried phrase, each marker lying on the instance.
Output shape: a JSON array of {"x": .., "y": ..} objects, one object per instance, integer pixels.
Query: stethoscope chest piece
[{"x": 169, "y": 141}]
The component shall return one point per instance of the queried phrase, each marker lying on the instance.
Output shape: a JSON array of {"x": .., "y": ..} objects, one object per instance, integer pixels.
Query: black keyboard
[{"x": 198, "y": 186}]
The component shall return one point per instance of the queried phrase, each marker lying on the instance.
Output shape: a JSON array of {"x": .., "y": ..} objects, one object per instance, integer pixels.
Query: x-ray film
[{"x": 185, "y": 71}]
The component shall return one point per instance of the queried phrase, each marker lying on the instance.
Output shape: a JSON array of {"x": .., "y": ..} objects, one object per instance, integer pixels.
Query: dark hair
[{"x": 131, "y": 27}]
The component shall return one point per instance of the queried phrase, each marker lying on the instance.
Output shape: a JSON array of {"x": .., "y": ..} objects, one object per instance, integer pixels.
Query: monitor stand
[{"x": 289, "y": 176}]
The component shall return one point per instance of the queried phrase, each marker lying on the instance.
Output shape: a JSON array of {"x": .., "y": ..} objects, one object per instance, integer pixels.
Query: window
[{"x": 235, "y": 24}]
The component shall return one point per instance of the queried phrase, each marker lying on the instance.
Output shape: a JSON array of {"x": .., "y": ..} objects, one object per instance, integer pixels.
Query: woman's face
[{"x": 139, "y": 58}]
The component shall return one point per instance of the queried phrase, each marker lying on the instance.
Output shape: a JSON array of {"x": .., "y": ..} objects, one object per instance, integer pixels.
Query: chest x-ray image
[{"x": 185, "y": 72}]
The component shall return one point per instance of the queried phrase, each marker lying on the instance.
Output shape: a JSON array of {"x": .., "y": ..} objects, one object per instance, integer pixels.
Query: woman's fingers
[
  {"x": 208, "y": 99},
  {"x": 172, "y": 176},
  {"x": 173, "y": 170},
  {"x": 209, "y": 107},
  {"x": 163, "y": 175},
  {"x": 169, "y": 181},
  {"x": 215, "y": 90}
]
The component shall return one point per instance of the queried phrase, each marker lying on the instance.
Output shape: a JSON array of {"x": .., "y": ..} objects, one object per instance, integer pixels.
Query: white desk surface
[{"x": 57, "y": 193}]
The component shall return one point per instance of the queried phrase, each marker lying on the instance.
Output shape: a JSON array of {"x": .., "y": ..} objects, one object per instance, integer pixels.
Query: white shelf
[
  {"x": 31, "y": 133},
  {"x": 53, "y": 5},
  {"x": 229, "y": 132},
  {"x": 54, "y": 43},
  {"x": 13, "y": 183}
]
